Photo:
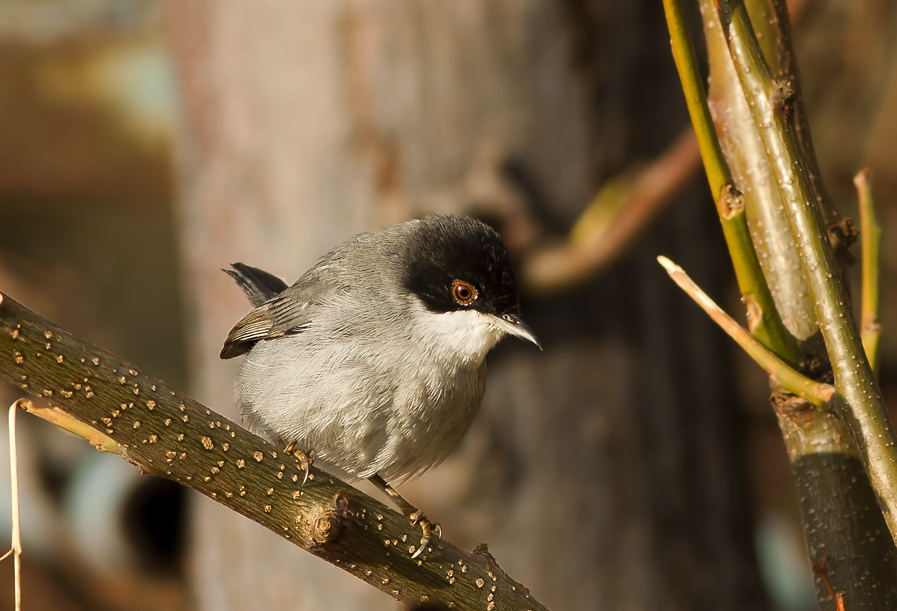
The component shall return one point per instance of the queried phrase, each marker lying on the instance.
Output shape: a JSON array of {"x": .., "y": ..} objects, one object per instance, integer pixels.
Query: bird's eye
[{"x": 464, "y": 292}]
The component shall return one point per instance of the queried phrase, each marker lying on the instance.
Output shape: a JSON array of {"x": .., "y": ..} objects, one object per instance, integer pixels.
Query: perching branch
[
  {"x": 169, "y": 434},
  {"x": 863, "y": 412},
  {"x": 815, "y": 393},
  {"x": 870, "y": 232}
]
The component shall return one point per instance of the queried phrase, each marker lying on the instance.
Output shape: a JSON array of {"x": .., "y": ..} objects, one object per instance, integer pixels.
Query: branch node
[
  {"x": 871, "y": 326},
  {"x": 783, "y": 97},
  {"x": 730, "y": 202},
  {"x": 787, "y": 404},
  {"x": 326, "y": 527},
  {"x": 753, "y": 313},
  {"x": 843, "y": 234}
]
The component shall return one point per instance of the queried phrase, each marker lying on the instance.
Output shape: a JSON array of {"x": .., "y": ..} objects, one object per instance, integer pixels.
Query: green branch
[
  {"x": 693, "y": 85},
  {"x": 763, "y": 318},
  {"x": 863, "y": 410},
  {"x": 870, "y": 233}
]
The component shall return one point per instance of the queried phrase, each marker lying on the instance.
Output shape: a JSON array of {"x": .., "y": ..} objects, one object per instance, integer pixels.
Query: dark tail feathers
[{"x": 259, "y": 285}]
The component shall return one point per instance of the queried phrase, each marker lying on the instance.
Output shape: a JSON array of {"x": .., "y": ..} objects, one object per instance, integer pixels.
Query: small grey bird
[{"x": 374, "y": 360}]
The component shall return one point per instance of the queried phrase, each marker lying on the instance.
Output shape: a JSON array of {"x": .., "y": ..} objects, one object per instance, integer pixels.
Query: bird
[{"x": 374, "y": 360}]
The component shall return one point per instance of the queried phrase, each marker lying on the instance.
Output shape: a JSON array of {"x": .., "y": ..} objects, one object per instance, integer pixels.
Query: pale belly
[{"x": 360, "y": 420}]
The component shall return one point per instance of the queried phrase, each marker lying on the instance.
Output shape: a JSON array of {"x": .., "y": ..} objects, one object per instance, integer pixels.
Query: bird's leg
[
  {"x": 306, "y": 459},
  {"x": 431, "y": 531}
]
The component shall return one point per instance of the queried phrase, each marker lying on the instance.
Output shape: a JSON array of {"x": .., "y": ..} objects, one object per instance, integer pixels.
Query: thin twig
[
  {"x": 715, "y": 165},
  {"x": 103, "y": 443},
  {"x": 870, "y": 232},
  {"x": 594, "y": 246},
  {"x": 816, "y": 393},
  {"x": 822, "y": 571},
  {"x": 16, "y": 545}
]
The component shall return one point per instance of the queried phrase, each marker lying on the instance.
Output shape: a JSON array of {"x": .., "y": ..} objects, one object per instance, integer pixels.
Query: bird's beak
[{"x": 511, "y": 324}]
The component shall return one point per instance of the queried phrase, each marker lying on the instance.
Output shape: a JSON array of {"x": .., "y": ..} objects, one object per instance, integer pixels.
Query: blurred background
[{"x": 634, "y": 464}]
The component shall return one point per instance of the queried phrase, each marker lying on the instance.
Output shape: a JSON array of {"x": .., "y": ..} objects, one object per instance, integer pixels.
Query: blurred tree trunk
[{"x": 605, "y": 472}]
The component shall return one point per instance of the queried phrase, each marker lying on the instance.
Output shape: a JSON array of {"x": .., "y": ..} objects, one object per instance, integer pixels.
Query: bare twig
[
  {"x": 103, "y": 443},
  {"x": 870, "y": 232},
  {"x": 823, "y": 574},
  {"x": 16, "y": 546},
  {"x": 594, "y": 246},
  {"x": 815, "y": 393}
]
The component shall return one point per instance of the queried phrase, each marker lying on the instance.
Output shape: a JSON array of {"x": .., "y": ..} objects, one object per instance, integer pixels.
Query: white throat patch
[{"x": 469, "y": 335}]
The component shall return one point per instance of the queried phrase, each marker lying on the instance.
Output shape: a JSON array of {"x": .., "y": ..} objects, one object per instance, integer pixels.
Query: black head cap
[{"x": 458, "y": 263}]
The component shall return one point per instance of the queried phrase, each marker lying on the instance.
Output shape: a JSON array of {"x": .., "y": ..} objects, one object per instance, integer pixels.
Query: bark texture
[{"x": 604, "y": 472}]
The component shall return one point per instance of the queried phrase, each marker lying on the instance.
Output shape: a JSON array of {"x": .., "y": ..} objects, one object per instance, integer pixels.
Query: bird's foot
[
  {"x": 431, "y": 531},
  {"x": 306, "y": 459}
]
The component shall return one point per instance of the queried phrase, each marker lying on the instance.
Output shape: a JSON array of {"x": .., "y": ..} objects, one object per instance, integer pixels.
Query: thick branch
[
  {"x": 829, "y": 475},
  {"x": 169, "y": 434},
  {"x": 753, "y": 177},
  {"x": 863, "y": 411}
]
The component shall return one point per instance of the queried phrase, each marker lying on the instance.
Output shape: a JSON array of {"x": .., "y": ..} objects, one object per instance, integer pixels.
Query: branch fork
[{"x": 816, "y": 393}]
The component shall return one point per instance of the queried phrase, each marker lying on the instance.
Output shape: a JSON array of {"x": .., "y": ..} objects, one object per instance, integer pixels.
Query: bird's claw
[
  {"x": 306, "y": 459},
  {"x": 431, "y": 532}
]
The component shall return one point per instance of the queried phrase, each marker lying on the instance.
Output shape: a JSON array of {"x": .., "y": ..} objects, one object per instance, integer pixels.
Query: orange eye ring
[{"x": 464, "y": 293}]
